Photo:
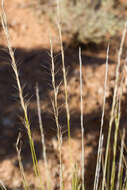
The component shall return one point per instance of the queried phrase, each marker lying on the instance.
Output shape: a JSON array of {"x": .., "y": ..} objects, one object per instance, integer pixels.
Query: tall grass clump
[
  {"x": 74, "y": 175},
  {"x": 20, "y": 90},
  {"x": 115, "y": 115},
  {"x": 111, "y": 179}
]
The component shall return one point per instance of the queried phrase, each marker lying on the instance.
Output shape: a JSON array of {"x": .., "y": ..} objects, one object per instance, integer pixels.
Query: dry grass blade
[
  {"x": 98, "y": 164},
  {"x": 65, "y": 82},
  {"x": 117, "y": 122},
  {"x": 102, "y": 121},
  {"x": 2, "y": 186},
  {"x": 56, "y": 114},
  {"x": 64, "y": 71},
  {"x": 120, "y": 160},
  {"x": 82, "y": 124},
  {"x": 43, "y": 139},
  {"x": 20, "y": 163}
]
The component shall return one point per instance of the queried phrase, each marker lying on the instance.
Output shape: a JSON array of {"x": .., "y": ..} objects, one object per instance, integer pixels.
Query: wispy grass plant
[
  {"x": 22, "y": 101},
  {"x": 56, "y": 115},
  {"x": 111, "y": 180}
]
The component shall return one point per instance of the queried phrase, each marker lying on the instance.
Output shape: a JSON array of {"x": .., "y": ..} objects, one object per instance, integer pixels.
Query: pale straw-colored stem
[
  {"x": 96, "y": 181},
  {"x": 18, "y": 148},
  {"x": 42, "y": 138},
  {"x": 120, "y": 160},
  {"x": 64, "y": 71},
  {"x": 56, "y": 114},
  {"x": 82, "y": 124}
]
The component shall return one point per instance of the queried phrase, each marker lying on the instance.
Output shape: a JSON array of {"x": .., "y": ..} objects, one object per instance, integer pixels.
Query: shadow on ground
[{"x": 35, "y": 67}]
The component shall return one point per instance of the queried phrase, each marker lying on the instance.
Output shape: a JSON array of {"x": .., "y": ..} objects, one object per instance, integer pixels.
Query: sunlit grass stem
[
  {"x": 43, "y": 139},
  {"x": 82, "y": 124},
  {"x": 98, "y": 165},
  {"x": 64, "y": 71}
]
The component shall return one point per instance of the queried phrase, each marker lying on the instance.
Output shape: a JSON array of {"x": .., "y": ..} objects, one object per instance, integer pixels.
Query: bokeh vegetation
[{"x": 86, "y": 21}]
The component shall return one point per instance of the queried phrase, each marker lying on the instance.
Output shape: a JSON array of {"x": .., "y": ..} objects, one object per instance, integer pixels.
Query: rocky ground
[{"x": 30, "y": 40}]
